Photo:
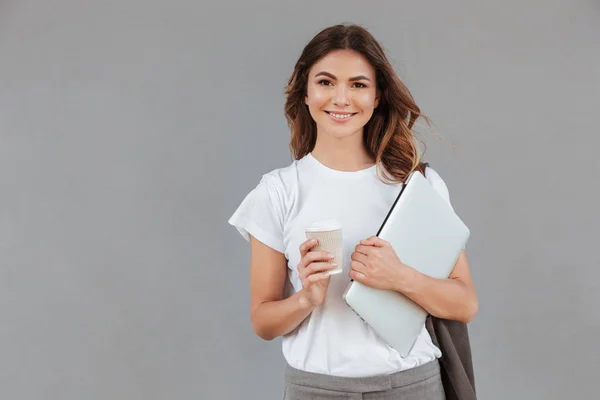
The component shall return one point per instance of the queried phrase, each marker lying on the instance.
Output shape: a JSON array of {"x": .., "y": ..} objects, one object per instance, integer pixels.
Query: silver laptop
[{"x": 427, "y": 235}]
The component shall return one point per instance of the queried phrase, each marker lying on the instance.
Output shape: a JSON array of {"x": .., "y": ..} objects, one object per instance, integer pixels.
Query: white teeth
[{"x": 341, "y": 116}]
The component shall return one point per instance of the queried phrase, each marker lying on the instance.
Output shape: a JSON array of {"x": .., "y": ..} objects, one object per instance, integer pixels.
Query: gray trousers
[{"x": 419, "y": 383}]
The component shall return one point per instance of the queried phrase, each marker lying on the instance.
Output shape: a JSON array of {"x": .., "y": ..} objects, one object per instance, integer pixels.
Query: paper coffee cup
[{"x": 328, "y": 233}]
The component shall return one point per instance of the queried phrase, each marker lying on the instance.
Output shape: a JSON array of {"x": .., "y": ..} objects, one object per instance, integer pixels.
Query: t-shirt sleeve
[{"x": 261, "y": 215}]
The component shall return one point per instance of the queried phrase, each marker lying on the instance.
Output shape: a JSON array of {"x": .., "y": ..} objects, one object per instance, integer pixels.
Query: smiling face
[{"x": 341, "y": 93}]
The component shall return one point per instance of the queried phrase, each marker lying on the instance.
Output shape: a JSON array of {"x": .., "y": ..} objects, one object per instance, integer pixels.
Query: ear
[
  {"x": 306, "y": 99},
  {"x": 377, "y": 97}
]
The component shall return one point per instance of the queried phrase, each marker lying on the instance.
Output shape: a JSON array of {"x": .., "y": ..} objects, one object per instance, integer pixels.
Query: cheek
[
  {"x": 366, "y": 101},
  {"x": 317, "y": 96}
]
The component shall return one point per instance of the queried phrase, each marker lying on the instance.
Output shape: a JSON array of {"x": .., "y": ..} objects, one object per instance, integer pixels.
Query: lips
[{"x": 340, "y": 117}]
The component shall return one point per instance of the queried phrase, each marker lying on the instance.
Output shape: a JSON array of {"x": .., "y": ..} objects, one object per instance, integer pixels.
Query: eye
[
  {"x": 360, "y": 85},
  {"x": 324, "y": 82}
]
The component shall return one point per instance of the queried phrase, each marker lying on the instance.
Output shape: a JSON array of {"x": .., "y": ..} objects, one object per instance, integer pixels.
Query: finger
[
  {"x": 319, "y": 267},
  {"x": 305, "y": 249},
  {"x": 321, "y": 276},
  {"x": 358, "y": 276},
  {"x": 307, "y": 245},
  {"x": 361, "y": 257},
  {"x": 374, "y": 241},
  {"x": 358, "y": 267},
  {"x": 364, "y": 249},
  {"x": 314, "y": 256},
  {"x": 369, "y": 239},
  {"x": 315, "y": 267}
]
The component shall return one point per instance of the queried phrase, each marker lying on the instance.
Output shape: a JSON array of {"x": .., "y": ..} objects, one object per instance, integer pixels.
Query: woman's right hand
[{"x": 313, "y": 271}]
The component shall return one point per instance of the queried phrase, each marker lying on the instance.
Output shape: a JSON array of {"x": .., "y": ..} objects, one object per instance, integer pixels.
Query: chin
[
  {"x": 341, "y": 133},
  {"x": 338, "y": 134}
]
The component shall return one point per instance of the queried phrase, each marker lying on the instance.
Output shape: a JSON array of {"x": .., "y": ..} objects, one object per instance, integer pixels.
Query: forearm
[
  {"x": 277, "y": 318},
  {"x": 442, "y": 298}
]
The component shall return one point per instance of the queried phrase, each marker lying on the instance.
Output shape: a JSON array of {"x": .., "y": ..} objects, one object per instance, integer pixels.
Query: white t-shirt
[{"x": 332, "y": 340}]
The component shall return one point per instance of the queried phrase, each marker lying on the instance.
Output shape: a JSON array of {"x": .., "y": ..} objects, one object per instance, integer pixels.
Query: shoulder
[
  {"x": 282, "y": 185},
  {"x": 285, "y": 179}
]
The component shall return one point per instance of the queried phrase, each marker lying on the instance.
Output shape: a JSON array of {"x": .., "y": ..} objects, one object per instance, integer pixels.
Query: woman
[{"x": 351, "y": 120}]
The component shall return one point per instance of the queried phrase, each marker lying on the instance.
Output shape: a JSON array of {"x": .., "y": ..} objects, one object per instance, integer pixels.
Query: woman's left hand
[{"x": 375, "y": 264}]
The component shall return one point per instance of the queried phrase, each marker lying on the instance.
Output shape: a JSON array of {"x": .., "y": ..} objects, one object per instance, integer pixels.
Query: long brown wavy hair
[{"x": 388, "y": 136}]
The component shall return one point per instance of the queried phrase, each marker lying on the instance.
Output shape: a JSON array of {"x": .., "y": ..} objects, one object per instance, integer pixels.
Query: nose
[{"x": 340, "y": 97}]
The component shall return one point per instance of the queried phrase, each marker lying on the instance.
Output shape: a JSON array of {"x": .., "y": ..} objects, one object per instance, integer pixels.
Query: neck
[{"x": 345, "y": 154}]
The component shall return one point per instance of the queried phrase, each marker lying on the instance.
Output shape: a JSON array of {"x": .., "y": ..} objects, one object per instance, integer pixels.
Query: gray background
[{"x": 131, "y": 130}]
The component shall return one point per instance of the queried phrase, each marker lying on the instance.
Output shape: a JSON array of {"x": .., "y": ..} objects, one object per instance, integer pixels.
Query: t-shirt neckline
[{"x": 332, "y": 171}]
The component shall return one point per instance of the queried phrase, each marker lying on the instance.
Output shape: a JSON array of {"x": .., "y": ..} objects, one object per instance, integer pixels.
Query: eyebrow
[{"x": 354, "y": 78}]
